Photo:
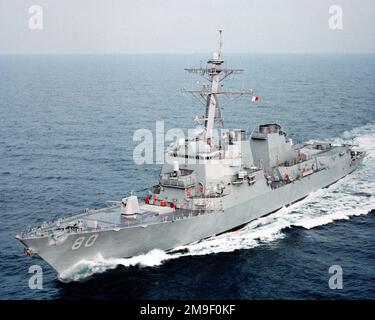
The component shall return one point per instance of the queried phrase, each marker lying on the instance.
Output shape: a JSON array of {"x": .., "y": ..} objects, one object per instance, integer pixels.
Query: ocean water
[{"x": 66, "y": 128}]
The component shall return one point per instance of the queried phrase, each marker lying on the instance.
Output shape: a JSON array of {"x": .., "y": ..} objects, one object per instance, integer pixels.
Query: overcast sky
[{"x": 190, "y": 26}]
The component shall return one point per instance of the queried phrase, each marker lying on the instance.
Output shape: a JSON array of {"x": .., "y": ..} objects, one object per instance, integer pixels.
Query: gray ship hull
[{"x": 240, "y": 208}]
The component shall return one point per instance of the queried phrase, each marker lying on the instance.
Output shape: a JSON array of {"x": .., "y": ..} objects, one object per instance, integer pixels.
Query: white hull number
[{"x": 79, "y": 241}]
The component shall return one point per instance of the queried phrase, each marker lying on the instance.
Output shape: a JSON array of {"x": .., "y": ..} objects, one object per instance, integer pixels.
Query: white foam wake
[
  {"x": 85, "y": 269},
  {"x": 351, "y": 196}
]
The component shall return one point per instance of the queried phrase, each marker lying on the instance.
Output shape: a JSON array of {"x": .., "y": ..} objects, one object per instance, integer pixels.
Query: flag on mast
[{"x": 255, "y": 98}]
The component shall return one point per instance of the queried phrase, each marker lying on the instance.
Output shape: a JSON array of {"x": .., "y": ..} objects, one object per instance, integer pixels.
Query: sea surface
[{"x": 66, "y": 144}]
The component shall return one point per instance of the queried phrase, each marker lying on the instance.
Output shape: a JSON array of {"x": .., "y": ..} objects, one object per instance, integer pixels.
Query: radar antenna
[
  {"x": 220, "y": 43},
  {"x": 208, "y": 95}
]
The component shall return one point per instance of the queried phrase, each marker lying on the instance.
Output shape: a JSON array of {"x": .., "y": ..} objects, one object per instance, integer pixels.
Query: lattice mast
[{"x": 215, "y": 74}]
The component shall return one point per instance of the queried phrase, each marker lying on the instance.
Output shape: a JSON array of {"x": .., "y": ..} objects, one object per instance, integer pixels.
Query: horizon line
[{"x": 186, "y": 53}]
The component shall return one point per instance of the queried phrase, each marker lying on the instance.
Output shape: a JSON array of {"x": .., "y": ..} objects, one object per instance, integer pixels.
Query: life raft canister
[
  {"x": 286, "y": 175},
  {"x": 201, "y": 187},
  {"x": 188, "y": 192}
]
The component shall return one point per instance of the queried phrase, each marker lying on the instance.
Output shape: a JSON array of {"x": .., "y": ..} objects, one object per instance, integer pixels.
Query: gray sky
[{"x": 189, "y": 26}]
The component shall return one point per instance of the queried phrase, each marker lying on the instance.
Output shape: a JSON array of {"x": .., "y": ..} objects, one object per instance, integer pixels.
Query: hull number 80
[{"x": 82, "y": 241}]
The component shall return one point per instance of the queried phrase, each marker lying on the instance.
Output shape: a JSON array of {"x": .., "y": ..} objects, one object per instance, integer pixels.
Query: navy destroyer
[{"x": 209, "y": 184}]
